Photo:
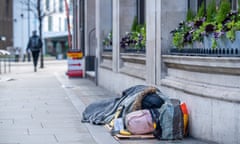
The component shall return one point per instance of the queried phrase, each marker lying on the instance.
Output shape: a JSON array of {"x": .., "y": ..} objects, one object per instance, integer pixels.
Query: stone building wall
[{"x": 6, "y": 23}]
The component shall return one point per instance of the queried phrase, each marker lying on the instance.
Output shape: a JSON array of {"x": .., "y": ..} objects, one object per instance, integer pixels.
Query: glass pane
[{"x": 234, "y": 4}]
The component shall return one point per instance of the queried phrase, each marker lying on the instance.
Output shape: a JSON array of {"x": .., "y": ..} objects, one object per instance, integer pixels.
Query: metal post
[
  {"x": 5, "y": 69},
  {"x": 27, "y": 52},
  {"x": 96, "y": 71},
  {"x": 28, "y": 18},
  {"x": 0, "y": 65},
  {"x": 9, "y": 64}
]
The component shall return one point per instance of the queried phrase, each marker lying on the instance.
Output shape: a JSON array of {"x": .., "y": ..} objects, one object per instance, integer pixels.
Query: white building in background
[
  {"x": 24, "y": 24},
  {"x": 55, "y": 27}
]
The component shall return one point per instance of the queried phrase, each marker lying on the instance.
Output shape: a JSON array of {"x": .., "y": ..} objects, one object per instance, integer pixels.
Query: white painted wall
[{"x": 20, "y": 25}]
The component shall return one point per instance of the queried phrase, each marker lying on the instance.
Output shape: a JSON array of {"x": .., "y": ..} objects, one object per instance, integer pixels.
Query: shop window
[
  {"x": 195, "y": 5},
  {"x": 234, "y": 4},
  {"x": 47, "y": 5},
  {"x": 50, "y": 23},
  {"x": 60, "y": 5},
  {"x": 54, "y": 5},
  {"x": 59, "y": 24},
  {"x": 70, "y": 6},
  {"x": 65, "y": 25},
  {"x": 141, "y": 13},
  {"x": 7, "y": 8},
  {"x": 200, "y": 2}
]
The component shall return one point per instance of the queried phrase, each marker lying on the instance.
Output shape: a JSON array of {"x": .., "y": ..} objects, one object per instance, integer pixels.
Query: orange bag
[{"x": 185, "y": 117}]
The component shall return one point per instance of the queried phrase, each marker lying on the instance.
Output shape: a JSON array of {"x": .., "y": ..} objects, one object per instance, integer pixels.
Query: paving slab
[{"x": 35, "y": 109}]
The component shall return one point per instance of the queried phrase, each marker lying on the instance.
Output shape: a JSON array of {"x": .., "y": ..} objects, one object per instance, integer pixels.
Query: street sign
[{"x": 75, "y": 64}]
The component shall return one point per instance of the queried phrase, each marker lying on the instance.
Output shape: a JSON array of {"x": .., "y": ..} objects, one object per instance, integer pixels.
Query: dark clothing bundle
[{"x": 166, "y": 113}]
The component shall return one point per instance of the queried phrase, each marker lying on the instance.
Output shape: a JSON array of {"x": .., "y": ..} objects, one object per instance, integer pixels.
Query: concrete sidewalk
[{"x": 45, "y": 107}]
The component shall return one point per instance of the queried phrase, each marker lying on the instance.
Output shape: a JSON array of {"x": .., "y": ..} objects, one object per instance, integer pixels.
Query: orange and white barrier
[{"x": 75, "y": 64}]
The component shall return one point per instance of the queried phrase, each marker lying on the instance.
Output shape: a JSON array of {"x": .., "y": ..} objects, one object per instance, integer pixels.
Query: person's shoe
[{"x": 35, "y": 69}]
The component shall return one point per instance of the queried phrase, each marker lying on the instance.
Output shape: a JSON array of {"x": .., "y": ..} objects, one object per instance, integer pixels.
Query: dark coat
[{"x": 32, "y": 46}]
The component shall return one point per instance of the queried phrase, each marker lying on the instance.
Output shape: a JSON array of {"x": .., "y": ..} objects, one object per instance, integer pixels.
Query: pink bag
[{"x": 139, "y": 122}]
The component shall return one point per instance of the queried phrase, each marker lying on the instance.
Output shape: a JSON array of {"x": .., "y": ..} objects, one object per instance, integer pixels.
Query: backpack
[
  {"x": 169, "y": 121},
  {"x": 139, "y": 122},
  {"x": 35, "y": 43}
]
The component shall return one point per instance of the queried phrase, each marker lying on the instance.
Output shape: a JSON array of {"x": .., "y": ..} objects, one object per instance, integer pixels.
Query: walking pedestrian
[{"x": 35, "y": 45}]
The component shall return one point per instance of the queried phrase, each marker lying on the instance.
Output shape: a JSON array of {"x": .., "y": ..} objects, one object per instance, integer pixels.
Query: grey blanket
[{"x": 102, "y": 112}]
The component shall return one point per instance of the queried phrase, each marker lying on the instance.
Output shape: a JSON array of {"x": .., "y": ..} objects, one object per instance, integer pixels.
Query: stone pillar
[
  {"x": 103, "y": 22},
  {"x": 158, "y": 42},
  {"x": 75, "y": 23},
  {"x": 98, "y": 29},
  {"x": 90, "y": 20},
  {"x": 116, "y": 36},
  {"x": 172, "y": 12},
  {"x": 151, "y": 41}
]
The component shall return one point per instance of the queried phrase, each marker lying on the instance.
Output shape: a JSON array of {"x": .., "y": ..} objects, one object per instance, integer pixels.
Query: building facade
[
  {"x": 6, "y": 23},
  {"x": 55, "y": 28},
  {"x": 54, "y": 25},
  {"x": 25, "y": 22},
  {"x": 209, "y": 85}
]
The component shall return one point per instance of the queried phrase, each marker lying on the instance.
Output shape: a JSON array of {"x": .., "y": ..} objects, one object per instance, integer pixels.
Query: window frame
[
  {"x": 234, "y": 4},
  {"x": 47, "y": 5},
  {"x": 141, "y": 11},
  {"x": 60, "y": 8},
  {"x": 50, "y": 23}
]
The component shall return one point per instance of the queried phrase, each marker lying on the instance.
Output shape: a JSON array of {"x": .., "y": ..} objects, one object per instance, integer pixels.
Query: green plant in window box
[
  {"x": 231, "y": 33},
  {"x": 201, "y": 11},
  {"x": 140, "y": 38},
  {"x": 178, "y": 40},
  {"x": 224, "y": 9},
  {"x": 183, "y": 35},
  {"x": 233, "y": 28},
  {"x": 107, "y": 42},
  {"x": 134, "y": 24},
  {"x": 199, "y": 30},
  {"x": 221, "y": 27},
  {"x": 211, "y": 11},
  {"x": 214, "y": 43},
  {"x": 190, "y": 15},
  {"x": 198, "y": 39},
  {"x": 136, "y": 39},
  {"x": 143, "y": 33}
]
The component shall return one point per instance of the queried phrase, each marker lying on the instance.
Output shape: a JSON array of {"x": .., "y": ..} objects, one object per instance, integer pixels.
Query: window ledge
[
  {"x": 223, "y": 65},
  {"x": 212, "y": 77},
  {"x": 106, "y": 60},
  {"x": 204, "y": 90},
  {"x": 133, "y": 58},
  {"x": 107, "y": 55},
  {"x": 133, "y": 65}
]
